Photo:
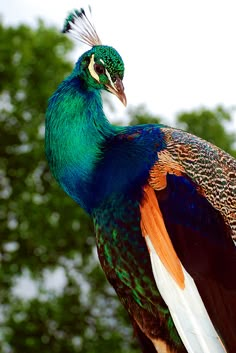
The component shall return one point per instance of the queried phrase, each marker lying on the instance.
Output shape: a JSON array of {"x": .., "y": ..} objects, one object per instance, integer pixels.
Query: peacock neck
[{"x": 76, "y": 128}]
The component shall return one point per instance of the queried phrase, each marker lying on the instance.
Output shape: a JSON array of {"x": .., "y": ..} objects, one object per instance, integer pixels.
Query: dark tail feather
[{"x": 221, "y": 307}]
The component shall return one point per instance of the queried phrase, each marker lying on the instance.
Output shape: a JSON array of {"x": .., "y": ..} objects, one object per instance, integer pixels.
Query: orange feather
[{"x": 152, "y": 224}]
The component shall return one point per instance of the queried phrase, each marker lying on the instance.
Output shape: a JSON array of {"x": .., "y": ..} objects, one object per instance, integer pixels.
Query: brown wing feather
[{"x": 209, "y": 167}]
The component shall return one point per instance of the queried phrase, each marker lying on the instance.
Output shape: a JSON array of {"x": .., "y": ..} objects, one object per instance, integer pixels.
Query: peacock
[{"x": 163, "y": 204}]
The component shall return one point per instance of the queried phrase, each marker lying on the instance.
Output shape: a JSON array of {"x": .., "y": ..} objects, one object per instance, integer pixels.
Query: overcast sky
[{"x": 179, "y": 54}]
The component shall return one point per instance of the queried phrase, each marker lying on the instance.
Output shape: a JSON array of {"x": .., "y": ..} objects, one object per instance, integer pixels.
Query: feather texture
[{"x": 212, "y": 169}]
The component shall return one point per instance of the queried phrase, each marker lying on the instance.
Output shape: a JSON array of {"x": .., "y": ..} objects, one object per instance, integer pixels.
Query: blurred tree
[
  {"x": 141, "y": 115},
  {"x": 43, "y": 232},
  {"x": 210, "y": 125}
]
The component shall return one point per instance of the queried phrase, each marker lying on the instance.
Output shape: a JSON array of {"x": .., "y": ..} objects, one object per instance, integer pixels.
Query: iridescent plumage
[{"x": 163, "y": 204}]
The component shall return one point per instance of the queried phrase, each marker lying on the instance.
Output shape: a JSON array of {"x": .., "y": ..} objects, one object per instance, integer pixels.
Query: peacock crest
[{"x": 81, "y": 28}]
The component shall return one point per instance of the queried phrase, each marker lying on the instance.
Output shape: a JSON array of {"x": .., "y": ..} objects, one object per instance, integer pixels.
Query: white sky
[{"x": 179, "y": 54}]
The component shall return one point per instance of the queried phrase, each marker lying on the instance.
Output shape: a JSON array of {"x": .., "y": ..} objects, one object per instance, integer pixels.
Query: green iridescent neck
[{"x": 76, "y": 128}]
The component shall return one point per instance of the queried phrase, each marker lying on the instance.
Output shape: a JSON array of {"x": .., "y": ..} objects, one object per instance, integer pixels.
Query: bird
[{"x": 163, "y": 204}]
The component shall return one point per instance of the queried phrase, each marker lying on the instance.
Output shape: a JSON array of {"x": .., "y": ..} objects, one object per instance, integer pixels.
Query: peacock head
[{"x": 101, "y": 67}]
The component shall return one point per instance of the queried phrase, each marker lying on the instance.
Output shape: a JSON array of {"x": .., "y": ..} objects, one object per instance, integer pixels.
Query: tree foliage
[
  {"x": 45, "y": 237},
  {"x": 141, "y": 115},
  {"x": 210, "y": 125}
]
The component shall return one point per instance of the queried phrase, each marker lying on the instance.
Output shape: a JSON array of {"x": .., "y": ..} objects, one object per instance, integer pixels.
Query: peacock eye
[{"x": 99, "y": 69}]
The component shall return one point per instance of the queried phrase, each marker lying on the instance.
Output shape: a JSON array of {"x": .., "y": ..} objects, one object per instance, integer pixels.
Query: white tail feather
[{"x": 187, "y": 309}]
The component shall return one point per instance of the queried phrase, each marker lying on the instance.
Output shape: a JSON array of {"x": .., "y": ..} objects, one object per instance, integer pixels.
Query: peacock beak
[{"x": 117, "y": 88}]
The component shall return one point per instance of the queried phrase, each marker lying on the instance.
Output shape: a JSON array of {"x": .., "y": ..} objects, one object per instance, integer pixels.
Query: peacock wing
[{"x": 187, "y": 219}]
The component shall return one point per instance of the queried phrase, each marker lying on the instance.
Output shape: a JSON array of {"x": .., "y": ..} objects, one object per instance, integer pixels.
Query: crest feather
[{"x": 81, "y": 28}]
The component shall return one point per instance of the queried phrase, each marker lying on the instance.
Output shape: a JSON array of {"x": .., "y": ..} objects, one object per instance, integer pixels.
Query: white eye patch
[{"x": 91, "y": 69}]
